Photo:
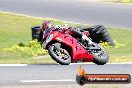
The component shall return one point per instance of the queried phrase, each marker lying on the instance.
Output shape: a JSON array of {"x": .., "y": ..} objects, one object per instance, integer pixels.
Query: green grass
[
  {"x": 122, "y": 53},
  {"x": 120, "y": 1},
  {"x": 15, "y": 29}
]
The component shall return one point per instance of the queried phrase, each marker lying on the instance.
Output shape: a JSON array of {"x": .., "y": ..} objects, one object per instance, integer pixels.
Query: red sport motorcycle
[{"x": 66, "y": 49}]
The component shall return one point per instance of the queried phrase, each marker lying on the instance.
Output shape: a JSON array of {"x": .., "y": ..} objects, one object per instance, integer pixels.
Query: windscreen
[{"x": 47, "y": 31}]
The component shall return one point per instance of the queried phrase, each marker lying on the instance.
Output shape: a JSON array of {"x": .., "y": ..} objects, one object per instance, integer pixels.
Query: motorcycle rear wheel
[{"x": 59, "y": 54}]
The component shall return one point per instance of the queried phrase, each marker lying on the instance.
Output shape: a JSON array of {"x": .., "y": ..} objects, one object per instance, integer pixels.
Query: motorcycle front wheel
[
  {"x": 100, "y": 56},
  {"x": 59, "y": 54}
]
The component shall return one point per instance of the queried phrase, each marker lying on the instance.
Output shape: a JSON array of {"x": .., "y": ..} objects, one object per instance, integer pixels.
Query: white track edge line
[
  {"x": 104, "y": 64},
  {"x": 70, "y": 64},
  {"x": 56, "y": 80},
  {"x": 13, "y": 64}
]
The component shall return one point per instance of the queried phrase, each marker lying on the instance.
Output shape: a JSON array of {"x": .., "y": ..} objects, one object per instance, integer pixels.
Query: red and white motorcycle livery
[{"x": 66, "y": 49}]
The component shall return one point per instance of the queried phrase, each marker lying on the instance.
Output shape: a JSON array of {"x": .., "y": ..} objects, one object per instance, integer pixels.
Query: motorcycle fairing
[{"x": 78, "y": 52}]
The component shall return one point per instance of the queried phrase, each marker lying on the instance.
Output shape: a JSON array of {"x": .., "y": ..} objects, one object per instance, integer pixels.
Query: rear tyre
[{"x": 59, "y": 54}]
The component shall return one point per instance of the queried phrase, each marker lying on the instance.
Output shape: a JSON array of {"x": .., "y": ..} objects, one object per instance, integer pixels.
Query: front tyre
[
  {"x": 59, "y": 54},
  {"x": 100, "y": 56}
]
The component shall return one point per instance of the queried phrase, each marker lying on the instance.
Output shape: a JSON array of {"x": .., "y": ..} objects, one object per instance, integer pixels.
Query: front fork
[
  {"x": 91, "y": 45},
  {"x": 90, "y": 42},
  {"x": 87, "y": 39}
]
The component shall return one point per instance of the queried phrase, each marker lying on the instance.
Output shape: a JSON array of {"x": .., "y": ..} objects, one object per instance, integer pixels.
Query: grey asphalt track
[
  {"x": 53, "y": 74},
  {"x": 115, "y": 15}
]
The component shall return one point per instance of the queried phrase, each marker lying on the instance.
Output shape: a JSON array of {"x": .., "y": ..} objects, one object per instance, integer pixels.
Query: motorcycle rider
[{"x": 47, "y": 26}]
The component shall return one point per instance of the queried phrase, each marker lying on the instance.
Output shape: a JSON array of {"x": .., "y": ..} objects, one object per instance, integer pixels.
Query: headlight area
[{"x": 49, "y": 38}]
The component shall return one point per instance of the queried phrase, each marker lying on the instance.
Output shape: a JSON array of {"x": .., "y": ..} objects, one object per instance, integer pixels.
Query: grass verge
[
  {"x": 15, "y": 29},
  {"x": 120, "y": 1}
]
